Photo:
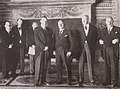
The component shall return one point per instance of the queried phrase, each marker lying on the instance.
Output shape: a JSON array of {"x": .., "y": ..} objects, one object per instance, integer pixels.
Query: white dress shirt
[
  {"x": 109, "y": 29},
  {"x": 86, "y": 30},
  {"x": 20, "y": 31}
]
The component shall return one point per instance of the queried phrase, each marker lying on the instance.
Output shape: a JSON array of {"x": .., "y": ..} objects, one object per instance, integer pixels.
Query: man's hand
[
  {"x": 101, "y": 42},
  {"x": 33, "y": 46},
  {"x": 54, "y": 53},
  {"x": 10, "y": 46},
  {"x": 46, "y": 48},
  {"x": 68, "y": 54},
  {"x": 115, "y": 41},
  {"x": 20, "y": 41}
]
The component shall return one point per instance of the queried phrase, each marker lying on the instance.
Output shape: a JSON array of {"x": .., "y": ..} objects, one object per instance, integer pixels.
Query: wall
[{"x": 100, "y": 10}]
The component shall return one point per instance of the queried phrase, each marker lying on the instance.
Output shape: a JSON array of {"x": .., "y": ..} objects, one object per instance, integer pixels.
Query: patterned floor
[{"x": 27, "y": 80}]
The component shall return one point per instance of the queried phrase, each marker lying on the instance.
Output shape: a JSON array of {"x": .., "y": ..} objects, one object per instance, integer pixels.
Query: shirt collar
[
  {"x": 110, "y": 28},
  {"x": 87, "y": 26}
]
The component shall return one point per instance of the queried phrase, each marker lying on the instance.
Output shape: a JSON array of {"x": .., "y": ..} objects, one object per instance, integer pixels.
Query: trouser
[
  {"x": 61, "y": 57},
  {"x": 4, "y": 64},
  {"x": 31, "y": 58},
  {"x": 111, "y": 64},
  {"x": 22, "y": 59},
  {"x": 41, "y": 64},
  {"x": 86, "y": 51},
  {"x": 6, "y": 61},
  {"x": 15, "y": 59}
]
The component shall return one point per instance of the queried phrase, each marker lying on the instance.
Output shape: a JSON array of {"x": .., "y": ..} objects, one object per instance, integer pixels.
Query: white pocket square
[{"x": 116, "y": 32}]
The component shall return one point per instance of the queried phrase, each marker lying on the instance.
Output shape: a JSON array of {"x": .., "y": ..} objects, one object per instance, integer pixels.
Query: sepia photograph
[{"x": 59, "y": 44}]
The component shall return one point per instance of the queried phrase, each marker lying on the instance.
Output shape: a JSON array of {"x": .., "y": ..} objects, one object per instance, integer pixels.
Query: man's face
[
  {"x": 7, "y": 25},
  {"x": 60, "y": 25},
  {"x": 19, "y": 22},
  {"x": 85, "y": 20},
  {"x": 109, "y": 22},
  {"x": 34, "y": 25},
  {"x": 44, "y": 22}
]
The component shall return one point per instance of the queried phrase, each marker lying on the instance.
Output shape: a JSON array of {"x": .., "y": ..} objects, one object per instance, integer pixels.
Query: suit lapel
[
  {"x": 16, "y": 31},
  {"x": 83, "y": 31},
  {"x": 58, "y": 35},
  {"x": 62, "y": 35},
  {"x": 42, "y": 36},
  {"x": 90, "y": 30}
]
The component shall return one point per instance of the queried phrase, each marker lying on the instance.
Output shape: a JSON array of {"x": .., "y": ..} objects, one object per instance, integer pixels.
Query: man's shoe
[
  {"x": 115, "y": 85},
  {"x": 59, "y": 82},
  {"x": 21, "y": 72},
  {"x": 106, "y": 84},
  {"x": 80, "y": 84},
  {"x": 46, "y": 83},
  {"x": 36, "y": 84},
  {"x": 92, "y": 83},
  {"x": 69, "y": 83}
]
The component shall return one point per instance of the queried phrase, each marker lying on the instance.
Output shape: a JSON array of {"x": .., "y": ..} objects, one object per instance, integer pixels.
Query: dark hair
[
  {"x": 19, "y": 19},
  {"x": 44, "y": 17}
]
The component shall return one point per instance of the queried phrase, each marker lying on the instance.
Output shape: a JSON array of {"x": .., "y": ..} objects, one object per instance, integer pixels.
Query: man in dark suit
[
  {"x": 19, "y": 35},
  {"x": 43, "y": 40},
  {"x": 87, "y": 38},
  {"x": 63, "y": 44},
  {"x": 109, "y": 40},
  {"x": 6, "y": 55}
]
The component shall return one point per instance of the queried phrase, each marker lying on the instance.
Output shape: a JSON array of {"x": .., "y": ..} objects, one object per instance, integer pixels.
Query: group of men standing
[
  {"x": 12, "y": 48},
  {"x": 87, "y": 38},
  {"x": 61, "y": 44}
]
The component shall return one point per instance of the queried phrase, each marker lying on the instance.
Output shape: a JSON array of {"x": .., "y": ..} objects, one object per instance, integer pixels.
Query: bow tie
[
  {"x": 60, "y": 32},
  {"x": 19, "y": 28}
]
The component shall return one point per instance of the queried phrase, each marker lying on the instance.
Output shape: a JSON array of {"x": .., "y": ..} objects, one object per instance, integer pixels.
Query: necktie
[
  {"x": 108, "y": 30},
  {"x": 85, "y": 27},
  {"x": 20, "y": 30}
]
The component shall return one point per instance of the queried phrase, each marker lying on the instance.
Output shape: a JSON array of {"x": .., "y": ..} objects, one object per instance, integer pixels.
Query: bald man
[
  {"x": 88, "y": 38},
  {"x": 63, "y": 45},
  {"x": 109, "y": 40}
]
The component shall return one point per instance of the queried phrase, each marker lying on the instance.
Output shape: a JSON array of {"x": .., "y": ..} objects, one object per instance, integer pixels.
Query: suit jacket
[
  {"x": 16, "y": 36},
  {"x": 30, "y": 37},
  {"x": 43, "y": 39},
  {"x": 91, "y": 38},
  {"x": 6, "y": 39},
  {"x": 107, "y": 38},
  {"x": 64, "y": 40}
]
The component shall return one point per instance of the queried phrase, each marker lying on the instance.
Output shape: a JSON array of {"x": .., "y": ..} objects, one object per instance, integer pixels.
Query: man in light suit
[
  {"x": 31, "y": 45},
  {"x": 87, "y": 39},
  {"x": 109, "y": 40},
  {"x": 43, "y": 40},
  {"x": 63, "y": 45}
]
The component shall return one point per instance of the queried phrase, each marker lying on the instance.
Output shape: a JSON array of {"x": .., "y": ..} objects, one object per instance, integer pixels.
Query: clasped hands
[{"x": 10, "y": 46}]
